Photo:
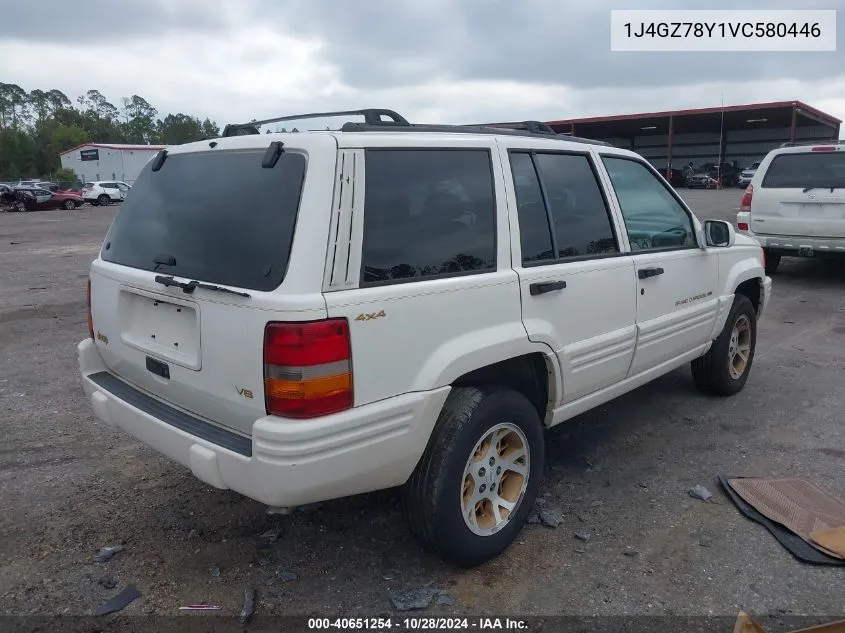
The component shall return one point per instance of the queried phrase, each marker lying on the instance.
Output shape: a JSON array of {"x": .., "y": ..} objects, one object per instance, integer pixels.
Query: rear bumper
[
  {"x": 284, "y": 462},
  {"x": 797, "y": 246}
]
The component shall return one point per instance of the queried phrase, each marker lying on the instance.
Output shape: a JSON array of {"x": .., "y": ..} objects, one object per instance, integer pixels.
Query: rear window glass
[
  {"x": 807, "y": 169},
  {"x": 428, "y": 213},
  {"x": 220, "y": 215}
]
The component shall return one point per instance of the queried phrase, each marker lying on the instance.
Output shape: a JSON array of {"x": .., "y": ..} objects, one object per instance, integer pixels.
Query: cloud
[{"x": 432, "y": 60}]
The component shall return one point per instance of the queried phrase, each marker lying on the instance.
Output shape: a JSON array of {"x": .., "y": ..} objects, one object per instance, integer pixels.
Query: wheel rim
[
  {"x": 495, "y": 479},
  {"x": 739, "y": 351},
  {"x": 69, "y": 204}
]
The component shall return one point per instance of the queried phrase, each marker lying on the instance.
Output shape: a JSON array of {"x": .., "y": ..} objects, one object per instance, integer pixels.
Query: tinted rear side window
[
  {"x": 222, "y": 217},
  {"x": 428, "y": 213},
  {"x": 810, "y": 169}
]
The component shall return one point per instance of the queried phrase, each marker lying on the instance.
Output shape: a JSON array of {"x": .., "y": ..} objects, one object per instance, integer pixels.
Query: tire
[
  {"x": 103, "y": 200},
  {"x": 70, "y": 205},
  {"x": 772, "y": 262},
  {"x": 717, "y": 373},
  {"x": 440, "y": 489}
]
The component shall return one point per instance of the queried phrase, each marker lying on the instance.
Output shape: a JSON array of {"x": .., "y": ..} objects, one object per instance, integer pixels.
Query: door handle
[
  {"x": 645, "y": 273},
  {"x": 546, "y": 286}
]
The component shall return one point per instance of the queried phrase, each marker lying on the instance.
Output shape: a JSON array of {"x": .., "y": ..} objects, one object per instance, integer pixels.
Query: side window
[
  {"x": 653, "y": 217},
  {"x": 534, "y": 232},
  {"x": 580, "y": 222},
  {"x": 427, "y": 213}
]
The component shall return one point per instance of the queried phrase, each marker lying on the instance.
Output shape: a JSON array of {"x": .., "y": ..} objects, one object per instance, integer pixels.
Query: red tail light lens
[
  {"x": 307, "y": 368},
  {"x": 823, "y": 148},
  {"x": 90, "y": 318},
  {"x": 745, "y": 204},
  {"x": 742, "y": 226}
]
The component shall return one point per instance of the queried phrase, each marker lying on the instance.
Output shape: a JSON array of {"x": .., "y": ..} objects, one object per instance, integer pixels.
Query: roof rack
[
  {"x": 372, "y": 116},
  {"x": 818, "y": 141},
  {"x": 465, "y": 129}
]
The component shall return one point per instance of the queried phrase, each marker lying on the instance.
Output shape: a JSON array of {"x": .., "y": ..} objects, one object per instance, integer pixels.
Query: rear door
[
  {"x": 802, "y": 193},
  {"x": 576, "y": 283},
  {"x": 216, "y": 217}
]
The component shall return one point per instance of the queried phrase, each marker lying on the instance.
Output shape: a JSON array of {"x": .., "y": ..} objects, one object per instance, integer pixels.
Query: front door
[
  {"x": 575, "y": 281},
  {"x": 676, "y": 280}
]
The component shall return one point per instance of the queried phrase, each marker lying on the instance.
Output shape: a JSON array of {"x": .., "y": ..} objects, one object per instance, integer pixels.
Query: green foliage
[
  {"x": 65, "y": 176},
  {"x": 36, "y": 127}
]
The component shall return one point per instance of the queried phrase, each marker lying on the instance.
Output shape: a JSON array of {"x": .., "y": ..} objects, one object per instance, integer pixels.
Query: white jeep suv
[
  {"x": 105, "y": 192},
  {"x": 795, "y": 204},
  {"x": 397, "y": 305}
]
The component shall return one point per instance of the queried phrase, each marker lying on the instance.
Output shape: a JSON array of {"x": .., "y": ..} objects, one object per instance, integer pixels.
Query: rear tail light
[
  {"x": 823, "y": 148},
  {"x": 742, "y": 226},
  {"x": 745, "y": 204},
  {"x": 307, "y": 368},
  {"x": 90, "y": 318}
]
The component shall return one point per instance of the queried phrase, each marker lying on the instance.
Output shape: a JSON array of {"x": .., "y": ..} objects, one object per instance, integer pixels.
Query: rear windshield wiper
[
  {"x": 831, "y": 187},
  {"x": 189, "y": 287}
]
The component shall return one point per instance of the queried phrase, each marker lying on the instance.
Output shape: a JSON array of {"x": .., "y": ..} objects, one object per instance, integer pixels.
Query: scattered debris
[
  {"x": 550, "y": 517},
  {"x": 249, "y": 606},
  {"x": 704, "y": 540},
  {"x": 107, "y": 552},
  {"x": 271, "y": 536},
  {"x": 630, "y": 552},
  {"x": 120, "y": 601},
  {"x": 445, "y": 599},
  {"x": 389, "y": 574},
  {"x": 583, "y": 536},
  {"x": 700, "y": 492},
  {"x": 107, "y": 582},
  {"x": 193, "y": 534},
  {"x": 533, "y": 517},
  {"x": 413, "y": 599},
  {"x": 642, "y": 485},
  {"x": 596, "y": 504},
  {"x": 540, "y": 501},
  {"x": 286, "y": 576},
  {"x": 580, "y": 550},
  {"x": 201, "y": 607},
  {"x": 214, "y": 571}
]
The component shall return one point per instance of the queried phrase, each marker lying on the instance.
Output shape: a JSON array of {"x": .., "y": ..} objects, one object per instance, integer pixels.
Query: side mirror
[{"x": 719, "y": 233}]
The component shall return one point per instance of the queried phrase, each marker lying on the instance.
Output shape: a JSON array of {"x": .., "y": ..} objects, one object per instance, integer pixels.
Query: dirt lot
[{"x": 70, "y": 485}]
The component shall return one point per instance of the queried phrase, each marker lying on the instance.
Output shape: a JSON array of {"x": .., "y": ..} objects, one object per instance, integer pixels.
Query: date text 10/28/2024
[{"x": 416, "y": 624}]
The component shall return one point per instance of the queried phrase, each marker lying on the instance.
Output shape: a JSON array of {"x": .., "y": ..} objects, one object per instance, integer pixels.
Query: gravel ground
[{"x": 69, "y": 485}]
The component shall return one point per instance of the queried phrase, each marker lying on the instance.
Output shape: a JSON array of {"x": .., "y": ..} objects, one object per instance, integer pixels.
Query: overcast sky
[{"x": 454, "y": 61}]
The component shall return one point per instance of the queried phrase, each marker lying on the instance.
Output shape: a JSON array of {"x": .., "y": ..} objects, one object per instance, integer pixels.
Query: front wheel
[
  {"x": 476, "y": 483},
  {"x": 103, "y": 200},
  {"x": 724, "y": 369},
  {"x": 70, "y": 205}
]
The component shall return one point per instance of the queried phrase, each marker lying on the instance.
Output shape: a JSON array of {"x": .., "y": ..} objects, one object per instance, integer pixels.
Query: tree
[
  {"x": 65, "y": 177},
  {"x": 36, "y": 127}
]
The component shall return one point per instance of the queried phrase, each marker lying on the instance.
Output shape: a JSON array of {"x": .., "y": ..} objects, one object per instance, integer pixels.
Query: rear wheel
[
  {"x": 70, "y": 205},
  {"x": 724, "y": 369},
  {"x": 472, "y": 491},
  {"x": 103, "y": 200},
  {"x": 772, "y": 262}
]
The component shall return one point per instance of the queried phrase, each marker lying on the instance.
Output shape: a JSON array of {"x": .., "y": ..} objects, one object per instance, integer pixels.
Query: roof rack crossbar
[{"x": 372, "y": 116}]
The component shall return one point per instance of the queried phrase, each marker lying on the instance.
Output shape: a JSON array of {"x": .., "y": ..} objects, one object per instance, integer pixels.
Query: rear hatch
[
  {"x": 802, "y": 194},
  {"x": 212, "y": 215}
]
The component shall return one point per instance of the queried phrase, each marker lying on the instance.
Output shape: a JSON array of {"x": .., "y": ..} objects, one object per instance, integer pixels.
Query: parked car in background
[
  {"x": 674, "y": 177},
  {"x": 701, "y": 180},
  {"x": 105, "y": 192},
  {"x": 39, "y": 199},
  {"x": 747, "y": 174},
  {"x": 795, "y": 204}
]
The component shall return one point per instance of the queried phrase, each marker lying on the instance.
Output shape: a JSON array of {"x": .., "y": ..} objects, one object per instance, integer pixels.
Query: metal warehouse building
[
  {"x": 725, "y": 134},
  {"x": 98, "y": 161}
]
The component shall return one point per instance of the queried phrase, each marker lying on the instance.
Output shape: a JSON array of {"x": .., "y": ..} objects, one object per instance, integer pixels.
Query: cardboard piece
[
  {"x": 831, "y": 540},
  {"x": 746, "y": 624}
]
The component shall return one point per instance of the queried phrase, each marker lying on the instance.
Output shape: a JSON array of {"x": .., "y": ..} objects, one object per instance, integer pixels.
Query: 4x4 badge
[{"x": 369, "y": 316}]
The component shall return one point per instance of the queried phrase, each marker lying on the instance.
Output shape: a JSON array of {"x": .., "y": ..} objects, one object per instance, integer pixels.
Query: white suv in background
[
  {"x": 795, "y": 204},
  {"x": 104, "y": 192},
  {"x": 305, "y": 316}
]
